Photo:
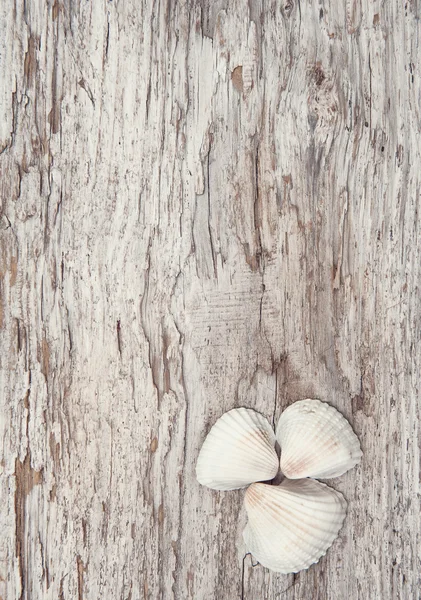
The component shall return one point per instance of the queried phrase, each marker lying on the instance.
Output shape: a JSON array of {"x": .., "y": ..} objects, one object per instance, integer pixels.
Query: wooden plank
[{"x": 203, "y": 205}]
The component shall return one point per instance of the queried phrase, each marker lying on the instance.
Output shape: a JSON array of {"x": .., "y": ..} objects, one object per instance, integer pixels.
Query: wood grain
[{"x": 203, "y": 205}]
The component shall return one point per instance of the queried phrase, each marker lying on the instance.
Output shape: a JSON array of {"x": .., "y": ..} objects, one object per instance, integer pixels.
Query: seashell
[
  {"x": 291, "y": 526},
  {"x": 316, "y": 441},
  {"x": 239, "y": 449}
]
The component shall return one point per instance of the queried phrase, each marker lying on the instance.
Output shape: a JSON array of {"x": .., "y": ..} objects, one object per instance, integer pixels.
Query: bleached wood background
[{"x": 204, "y": 205}]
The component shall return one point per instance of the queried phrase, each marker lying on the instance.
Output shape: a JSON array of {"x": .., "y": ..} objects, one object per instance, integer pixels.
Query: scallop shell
[
  {"x": 316, "y": 441},
  {"x": 291, "y": 526},
  {"x": 239, "y": 449}
]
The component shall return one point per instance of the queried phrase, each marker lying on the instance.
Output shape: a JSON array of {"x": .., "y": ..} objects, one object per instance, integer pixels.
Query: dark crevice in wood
[
  {"x": 257, "y": 210},
  {"x": 80, "y": 573},
  {"x": 118, "y": 328},
  {"x": 209, "y": 211},
  {"x": 107, "y": 41},
  {"x": 242, "y": 577}
]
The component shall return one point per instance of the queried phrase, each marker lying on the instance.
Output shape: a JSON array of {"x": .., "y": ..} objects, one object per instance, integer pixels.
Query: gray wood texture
[{"x": 203, "y": 205}]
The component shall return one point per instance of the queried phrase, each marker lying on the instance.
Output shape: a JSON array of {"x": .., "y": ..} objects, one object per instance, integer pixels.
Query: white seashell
[
  {"x": 292, "y": 525},
  {"x": 239, "y": 449},
  {"x": 316, "y": 441}
]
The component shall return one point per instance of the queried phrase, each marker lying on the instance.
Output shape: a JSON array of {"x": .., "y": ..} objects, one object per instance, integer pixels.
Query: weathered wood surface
[{"x": 204, "y": 205}]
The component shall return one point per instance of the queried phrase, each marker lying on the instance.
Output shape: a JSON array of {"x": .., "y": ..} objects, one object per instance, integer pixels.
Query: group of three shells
[{"x": 292, "y": 525}]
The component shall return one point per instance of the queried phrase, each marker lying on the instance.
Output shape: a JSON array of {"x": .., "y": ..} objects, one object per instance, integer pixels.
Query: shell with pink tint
[
  {"x": 238, "y": 450},
  {"x": 316, "y": 441},
  {"x": 291, "y": 526}
]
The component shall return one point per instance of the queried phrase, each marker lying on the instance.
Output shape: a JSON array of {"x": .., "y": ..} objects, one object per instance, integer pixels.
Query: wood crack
[
  {"x": 80, "y": 573},
  {"x": 257, "y": 209},
  {"x": 243, "y": 569},
  {"x": 210, "y": 208}
]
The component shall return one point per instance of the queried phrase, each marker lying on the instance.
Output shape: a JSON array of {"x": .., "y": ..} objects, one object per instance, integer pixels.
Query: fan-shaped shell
[
  {"x": 291, "y": 526},
  {"x": 316, "y": 441},
  {"x": 239, "y": 449}
]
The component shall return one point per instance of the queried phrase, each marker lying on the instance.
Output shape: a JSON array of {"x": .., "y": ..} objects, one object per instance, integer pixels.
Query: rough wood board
[{"x": 204, "y": 205}]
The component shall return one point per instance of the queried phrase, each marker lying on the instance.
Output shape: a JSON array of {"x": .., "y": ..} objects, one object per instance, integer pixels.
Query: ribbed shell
[
  {"x": 239, "y": 449},
  {"x": 291, "y": 526},
  {"x": 316, "y": 441}
]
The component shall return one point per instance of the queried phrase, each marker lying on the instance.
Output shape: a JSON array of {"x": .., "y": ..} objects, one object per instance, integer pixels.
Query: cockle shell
[
  {"x": 316, "y": 441},
  {"x": 292, "y": 525},
  {"x": 239, "y": 449}
]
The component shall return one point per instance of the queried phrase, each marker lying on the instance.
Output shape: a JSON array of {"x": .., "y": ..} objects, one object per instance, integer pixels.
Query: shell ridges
[
  {"x": 291, "y": 526},
  {"x": 316, "y": 441},
  {"x": 238, "y": 450}
]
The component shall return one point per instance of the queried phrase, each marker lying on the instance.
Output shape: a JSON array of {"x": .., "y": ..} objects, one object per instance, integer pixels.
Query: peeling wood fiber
[{"x": 203, "y": 205}]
